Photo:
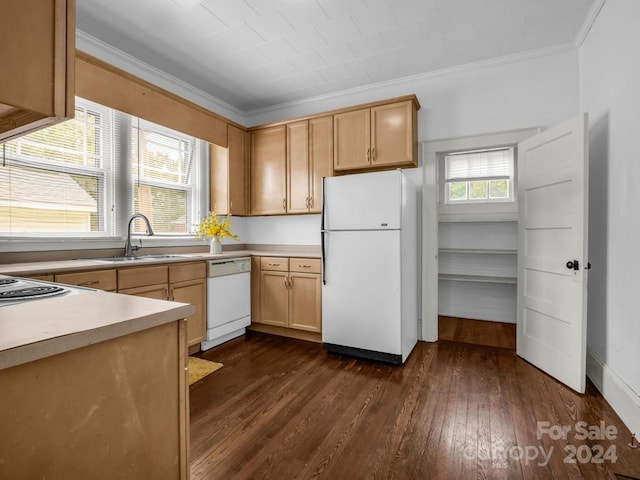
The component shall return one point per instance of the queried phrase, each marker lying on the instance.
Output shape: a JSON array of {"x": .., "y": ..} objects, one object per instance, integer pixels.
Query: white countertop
[
  {"x": 33, "y": 330},
  {"x": 38, "y": 329},
  {"x": 90, "y": 264}
]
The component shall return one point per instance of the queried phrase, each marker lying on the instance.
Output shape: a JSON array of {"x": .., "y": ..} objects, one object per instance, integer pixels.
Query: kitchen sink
[{"x": 141, "y": 257}]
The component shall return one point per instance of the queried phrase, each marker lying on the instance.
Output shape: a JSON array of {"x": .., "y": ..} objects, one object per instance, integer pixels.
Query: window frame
[
  {"x": 473, "y": 211},
  {"x": 445, "y": 184},
  {"x": 118, "y": 198},
  {"x": 104, "y": 175}
]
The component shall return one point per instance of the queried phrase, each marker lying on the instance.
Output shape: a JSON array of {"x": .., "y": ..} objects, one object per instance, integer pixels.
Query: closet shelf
[
  {"x": 476, "y": 278},
  {"x": 482, "y": 251}
]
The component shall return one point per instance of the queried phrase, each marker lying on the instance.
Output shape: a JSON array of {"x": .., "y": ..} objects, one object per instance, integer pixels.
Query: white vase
[{"x": 215, "y": 246}]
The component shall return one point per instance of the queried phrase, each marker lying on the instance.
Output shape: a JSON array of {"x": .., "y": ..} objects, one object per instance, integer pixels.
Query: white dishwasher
[{"x": 228, "y": 299}]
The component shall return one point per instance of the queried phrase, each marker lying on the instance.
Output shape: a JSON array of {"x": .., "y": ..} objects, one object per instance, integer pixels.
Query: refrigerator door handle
[{"x": 322, "y": 232}]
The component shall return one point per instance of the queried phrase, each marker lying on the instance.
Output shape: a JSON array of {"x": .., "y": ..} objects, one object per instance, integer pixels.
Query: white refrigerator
[{"x": 370, "y": 264}]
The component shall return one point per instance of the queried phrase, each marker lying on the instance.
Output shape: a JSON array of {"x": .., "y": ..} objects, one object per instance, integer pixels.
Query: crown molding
[
  {"x": 421, "y": 77},
  {"x": 589, "y": 20},
  {"x": 102, "y": 50}
]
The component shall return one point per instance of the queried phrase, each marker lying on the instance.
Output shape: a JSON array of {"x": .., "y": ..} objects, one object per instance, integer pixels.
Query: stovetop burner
[
  {"x": 14, "y": 290},
  {"x": 30, "y": 292}
]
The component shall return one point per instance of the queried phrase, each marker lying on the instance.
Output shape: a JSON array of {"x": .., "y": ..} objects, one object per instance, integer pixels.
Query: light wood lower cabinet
[
  {"x": 113, "y": 409},
  {"x": 304, "y": 301},
  {"x": 274, "y": 300},
  {"x": 177, "y": 282},
  {"x": 98, "y": 279},
  {"x": 187, "y": 284},
  {"x": 289, "y": 295}
]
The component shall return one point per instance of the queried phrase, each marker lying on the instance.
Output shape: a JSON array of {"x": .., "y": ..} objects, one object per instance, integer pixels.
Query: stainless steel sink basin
[{"x": 141, "y": 257}]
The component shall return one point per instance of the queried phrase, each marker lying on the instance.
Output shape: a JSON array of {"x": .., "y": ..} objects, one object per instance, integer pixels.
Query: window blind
[
  {"x": 57, "y": 181},
  {"x": 487, "y": 164}
]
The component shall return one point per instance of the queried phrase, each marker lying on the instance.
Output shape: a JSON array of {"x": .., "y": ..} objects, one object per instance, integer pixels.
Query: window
[
  {"x": 62, "y": 181},
  {"x": 164, "y": 177},
  {"x": 479, "y": 176},
  {"x": 57, "y": 181}
]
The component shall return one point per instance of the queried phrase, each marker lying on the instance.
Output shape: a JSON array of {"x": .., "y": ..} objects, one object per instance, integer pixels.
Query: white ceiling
[{"x": 258, "y": 53}]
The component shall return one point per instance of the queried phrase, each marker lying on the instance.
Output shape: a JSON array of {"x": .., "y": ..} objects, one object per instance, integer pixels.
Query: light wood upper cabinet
[
  {"x": 309, "y": 158},
  {"x": 229, "y": 174},
  {"x": 377, "y": 137},
  {"x": 298, "y": 167},
  {"x": 394, "y": 134},
  {"x": 351, "y": 146},
  {"x": 37, "y": 45},
  {"x": 268, "y": 171},
  {"x": 320, "y": 158}
]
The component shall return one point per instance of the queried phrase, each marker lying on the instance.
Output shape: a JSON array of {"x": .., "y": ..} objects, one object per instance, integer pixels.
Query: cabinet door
[
  {"x": 298, "y": 167},
  {"x": 193, "y": 292},
  {"x": 320, "y": 158},
  {"x": 351, "y": 139},
  {"x": 37, "y": 58},
  {"x": 238, "y": 167},
  {"x": 392, "y": 135},
  {"x": 304, "y": 301},
  {"x": 274, "y": 298},
  {"x": 268, "y": 171},
  {"x": 219, "y": 179}
]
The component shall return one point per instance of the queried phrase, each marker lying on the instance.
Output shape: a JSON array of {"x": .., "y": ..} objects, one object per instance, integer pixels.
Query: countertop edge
[
  {"x": 145, "y": 313},
  {"x": 64, "y": 266}
]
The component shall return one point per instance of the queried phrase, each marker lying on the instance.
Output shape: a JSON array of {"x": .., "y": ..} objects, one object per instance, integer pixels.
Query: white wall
[
  {"x": 279, "y": 230},
  {"x": 609, "y": 92},
  {"x": 485, "y": 98}
]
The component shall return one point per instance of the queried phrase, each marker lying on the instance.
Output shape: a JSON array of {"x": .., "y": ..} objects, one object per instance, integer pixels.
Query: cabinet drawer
[
  {"x": 304, "y": 265},
  {"x": 100, "y": 279},
  {"x": 187, "y": 271},
  {"x": 142, "y": 276},
  {"x": 279, "y": 264}
]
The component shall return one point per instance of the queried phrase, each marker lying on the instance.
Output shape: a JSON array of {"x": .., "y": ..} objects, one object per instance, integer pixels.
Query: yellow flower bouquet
[{"x": 214, "y": 227}]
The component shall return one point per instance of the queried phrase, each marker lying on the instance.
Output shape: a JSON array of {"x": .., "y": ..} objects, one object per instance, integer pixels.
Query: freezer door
[
  {"x": 361, "y": 297},
  {"x": 367, "y": 201}
]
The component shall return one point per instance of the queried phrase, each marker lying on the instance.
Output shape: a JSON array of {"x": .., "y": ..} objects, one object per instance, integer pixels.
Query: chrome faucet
[{"x": 128, "y": 248}]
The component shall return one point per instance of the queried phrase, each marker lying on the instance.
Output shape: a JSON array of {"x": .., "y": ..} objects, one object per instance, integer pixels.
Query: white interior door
[{"x": 552, "y": 251}]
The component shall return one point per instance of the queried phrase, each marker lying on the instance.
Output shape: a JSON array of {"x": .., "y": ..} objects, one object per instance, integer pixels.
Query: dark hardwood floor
[
  {"x": 283, "y": 409},
  {"x": 478, "y": 332}
]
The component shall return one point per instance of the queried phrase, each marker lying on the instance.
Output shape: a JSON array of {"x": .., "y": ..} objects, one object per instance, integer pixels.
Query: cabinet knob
[
  {"x": 368, "y": 154},
  {"x": 373, "y": 154},
  {"x": 284, "y": 204}
]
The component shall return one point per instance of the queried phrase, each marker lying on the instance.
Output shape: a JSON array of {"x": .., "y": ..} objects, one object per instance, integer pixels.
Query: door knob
[{"x": 573, "y": 265}]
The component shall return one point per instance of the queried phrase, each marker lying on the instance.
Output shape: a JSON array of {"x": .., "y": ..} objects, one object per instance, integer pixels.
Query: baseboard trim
[{"x": 624, "y": 400}]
